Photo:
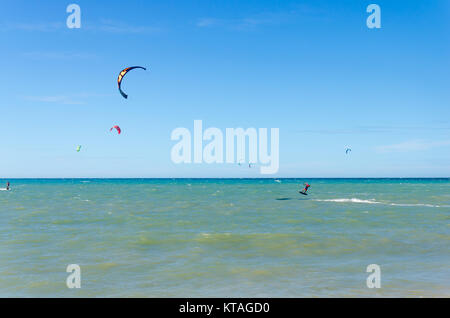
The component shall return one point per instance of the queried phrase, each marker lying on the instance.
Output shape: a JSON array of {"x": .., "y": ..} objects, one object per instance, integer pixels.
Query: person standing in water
[{"x": 7, "y": 185}]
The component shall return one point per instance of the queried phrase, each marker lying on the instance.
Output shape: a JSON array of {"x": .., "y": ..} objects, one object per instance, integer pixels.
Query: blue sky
[{"x": 310, "y": 68}]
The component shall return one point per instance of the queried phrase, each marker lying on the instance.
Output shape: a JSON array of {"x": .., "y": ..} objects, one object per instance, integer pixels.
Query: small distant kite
[
  {"x": 122, "y": 74},
  {"x": 347, "y": 150},
  {"x": 117, "y": 128},
  {"x": 78, "y": 148}
]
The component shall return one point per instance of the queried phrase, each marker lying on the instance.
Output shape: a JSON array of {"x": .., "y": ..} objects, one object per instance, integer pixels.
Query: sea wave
[
  {"x": 373, "y": 201},
  {"x": 352, "y": 200},
  {"x": 419, "y": 204}
]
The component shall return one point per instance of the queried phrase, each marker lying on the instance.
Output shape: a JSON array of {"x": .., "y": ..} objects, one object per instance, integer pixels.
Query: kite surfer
[
  {"x": 305, "y": 189},
  {"x": 7, "y": 186}
]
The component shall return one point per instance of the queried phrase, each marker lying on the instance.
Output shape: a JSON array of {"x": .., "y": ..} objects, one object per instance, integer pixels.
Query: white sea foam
[
  {"x": 372, "y": 201},
  {"x": 352, "y": 200},
  {"x": 418, "y": 204}
]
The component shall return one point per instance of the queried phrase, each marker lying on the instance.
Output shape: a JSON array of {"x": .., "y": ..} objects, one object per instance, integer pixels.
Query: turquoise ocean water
[{"x": 225, "y": 237}]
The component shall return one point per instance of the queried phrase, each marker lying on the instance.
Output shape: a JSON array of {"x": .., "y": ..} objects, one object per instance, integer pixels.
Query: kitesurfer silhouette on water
[{"x": 7, "y": 185}]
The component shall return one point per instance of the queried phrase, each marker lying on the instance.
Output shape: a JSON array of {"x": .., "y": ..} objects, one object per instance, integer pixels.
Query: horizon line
[{"x": 238, "y": 178}]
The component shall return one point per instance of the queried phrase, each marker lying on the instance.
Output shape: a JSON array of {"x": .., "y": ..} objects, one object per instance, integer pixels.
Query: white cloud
[
  {"x": 206, "y": 22},
  {"x": 245, "y": 23},
  {"x": 374, "y": 129},
  {"x": 263, "y": 18},
  {"x": 61, "y": 99},
  {"x": 72, "y": 99},
  {"x": 107, "y": 25},
  {"x": 104, "y": 25},
  {"x": 413, "y": 145},
  {"x": 41, "y": 27},
  {"x": 58, "y": 55}
]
